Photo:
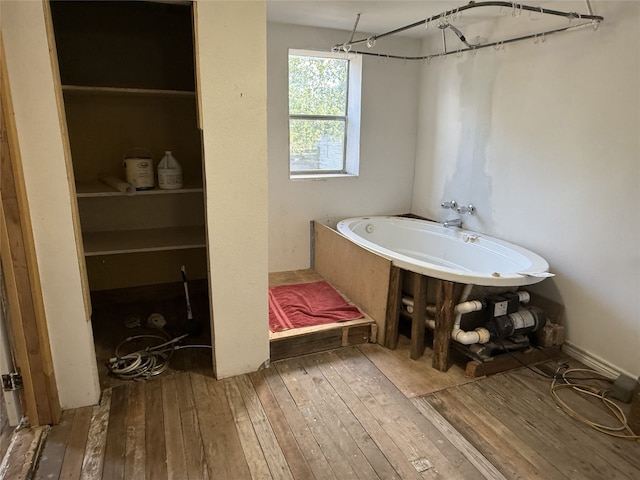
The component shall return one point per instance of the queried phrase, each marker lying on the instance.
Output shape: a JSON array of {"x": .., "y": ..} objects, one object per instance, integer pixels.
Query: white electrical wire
[
  {"x": 148, "y": 362},
  {"x": 621, "y": 431}
]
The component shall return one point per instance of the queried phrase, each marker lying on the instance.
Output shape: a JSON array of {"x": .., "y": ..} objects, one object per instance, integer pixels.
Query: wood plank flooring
[
  {"x": 5, "y": 429},
  {"x": 417, "y": 377},
  {"x": 332, "y": 415},
  {"x": 512, "y": 419}
]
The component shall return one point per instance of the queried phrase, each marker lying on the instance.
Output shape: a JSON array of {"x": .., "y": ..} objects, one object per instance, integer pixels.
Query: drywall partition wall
[
  {"x": 41, "y": 148},
  {"x": 231, "y": 61},
  {"x": 543, "y": 139},
  {"x": 387, "y": 146}
]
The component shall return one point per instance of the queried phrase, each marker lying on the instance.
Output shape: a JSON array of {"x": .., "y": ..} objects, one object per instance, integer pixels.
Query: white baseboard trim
[{"x": 592, "y": 361}]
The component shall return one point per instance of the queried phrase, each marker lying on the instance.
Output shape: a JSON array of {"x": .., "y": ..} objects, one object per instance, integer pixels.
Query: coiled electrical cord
[
  {"x": 148, "y": 362},
  {"x": 621, "y": 431},
  {"x": 567, "y": 382}
]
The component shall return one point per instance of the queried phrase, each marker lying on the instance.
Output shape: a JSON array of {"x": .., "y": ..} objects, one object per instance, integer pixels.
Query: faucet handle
[
  {"x": 468, "y": 209},
  {"x": 452, "y": 204}
]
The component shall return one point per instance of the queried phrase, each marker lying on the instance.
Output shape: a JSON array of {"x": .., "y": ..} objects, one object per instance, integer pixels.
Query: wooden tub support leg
[
  {"x": 445, "y": 317},
  {"x": 394, "y": 304},
  {"x": 419, "y": 316}
]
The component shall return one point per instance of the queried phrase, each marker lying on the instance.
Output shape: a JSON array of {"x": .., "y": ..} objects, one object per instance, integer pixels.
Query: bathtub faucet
[
  {"x": 452, "y": 204},
  {"x": 454, "y": 222}
]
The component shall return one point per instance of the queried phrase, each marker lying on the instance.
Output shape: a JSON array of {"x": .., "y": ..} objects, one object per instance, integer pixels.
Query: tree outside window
[{"x": 318, "y": 106}]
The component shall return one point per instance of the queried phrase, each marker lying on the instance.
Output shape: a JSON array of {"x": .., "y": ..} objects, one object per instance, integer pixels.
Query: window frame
[{"x": 351, "y": 147}]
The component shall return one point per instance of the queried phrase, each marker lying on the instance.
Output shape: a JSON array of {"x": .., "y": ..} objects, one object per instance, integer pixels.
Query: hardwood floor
[
  {"x": 529, "y": 437},
  {"x": 112, "y": 309},
  {"x": 333, "y": 415},
  {"x": 360, "y": 412},
  {"x": 5, "y": 428}
]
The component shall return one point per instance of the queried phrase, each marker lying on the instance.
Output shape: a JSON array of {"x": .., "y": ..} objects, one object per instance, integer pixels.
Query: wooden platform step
[{"x": 301, "y": 341}]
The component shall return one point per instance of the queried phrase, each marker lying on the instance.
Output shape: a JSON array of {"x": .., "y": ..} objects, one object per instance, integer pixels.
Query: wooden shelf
[
  {"x": 126, "y": 91},
  {"x": 99, "y": 189},
  {"x": 148, "y": 240},
  {"x": 126, "y": 83}
]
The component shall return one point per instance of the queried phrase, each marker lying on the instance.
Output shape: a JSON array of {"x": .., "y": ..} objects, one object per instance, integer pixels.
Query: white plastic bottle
[{"x": 169, "y": 173}]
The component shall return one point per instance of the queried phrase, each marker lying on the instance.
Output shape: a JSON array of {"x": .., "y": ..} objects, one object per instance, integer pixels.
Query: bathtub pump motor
[
  {"x": 508, "y": 318},
  {"x": 509, "y": 324}
]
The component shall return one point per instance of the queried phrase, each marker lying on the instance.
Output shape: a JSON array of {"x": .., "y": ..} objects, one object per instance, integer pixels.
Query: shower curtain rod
[
  {"x": 594, "y": 20},
  {"x": 498, "y": 44}
]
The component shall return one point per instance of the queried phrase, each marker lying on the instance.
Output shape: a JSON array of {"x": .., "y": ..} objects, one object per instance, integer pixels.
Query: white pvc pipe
[
  {"x": 480, "y": 334},
  {"x": 468, "y": 307},
  {"x": 523, "y": 296},
  {"x": 465, "y": 307},
  {"x": 408, "y": 303}
]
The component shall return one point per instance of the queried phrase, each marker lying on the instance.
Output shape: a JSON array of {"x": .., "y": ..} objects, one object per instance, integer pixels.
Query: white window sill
[{"x": 321, "y": 176}]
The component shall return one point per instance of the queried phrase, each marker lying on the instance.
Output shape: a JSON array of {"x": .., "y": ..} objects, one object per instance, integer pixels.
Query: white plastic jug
[{"x": 169, "y": 173}]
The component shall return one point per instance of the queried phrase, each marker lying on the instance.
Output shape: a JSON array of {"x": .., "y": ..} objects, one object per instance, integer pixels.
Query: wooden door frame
[{"x": 30, "y": 335}]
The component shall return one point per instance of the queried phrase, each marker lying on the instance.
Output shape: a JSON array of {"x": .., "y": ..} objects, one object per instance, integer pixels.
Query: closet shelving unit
[
  {"x": 127, "y": 73},
  {"x": 446, "y": 21}
]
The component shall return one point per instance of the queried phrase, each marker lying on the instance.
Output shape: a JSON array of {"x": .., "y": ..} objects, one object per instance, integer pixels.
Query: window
[{"x": 324, "y": 114}]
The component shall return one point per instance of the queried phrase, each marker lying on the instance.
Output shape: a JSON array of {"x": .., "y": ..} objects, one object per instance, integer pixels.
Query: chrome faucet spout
[{"x": 454, "y": 222}]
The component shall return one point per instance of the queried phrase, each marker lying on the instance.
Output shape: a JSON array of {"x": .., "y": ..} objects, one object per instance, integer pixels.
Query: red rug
[{"x": 307, "y": 304}]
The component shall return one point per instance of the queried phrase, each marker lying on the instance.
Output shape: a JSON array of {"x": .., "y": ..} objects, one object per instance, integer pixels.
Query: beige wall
[
  {"x": 232, "y": 83},
  {"x": 50, "y": 202},
  {"x": 387, "y": 146},
  {"x": 544, "y": 140},
  {"x": 233, "y": 88}
]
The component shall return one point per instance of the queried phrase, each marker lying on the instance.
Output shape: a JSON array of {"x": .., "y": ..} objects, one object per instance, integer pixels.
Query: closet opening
[{"x": 127, "y": 72}]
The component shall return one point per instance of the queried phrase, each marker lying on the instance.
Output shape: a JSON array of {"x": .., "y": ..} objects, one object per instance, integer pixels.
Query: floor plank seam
[
  {"x": 440, "y": 453},
  {"x": 472, "y": 454}
]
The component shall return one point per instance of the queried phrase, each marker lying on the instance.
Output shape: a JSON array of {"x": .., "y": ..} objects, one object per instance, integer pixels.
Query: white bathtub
[{"x": 452, "y": 254}]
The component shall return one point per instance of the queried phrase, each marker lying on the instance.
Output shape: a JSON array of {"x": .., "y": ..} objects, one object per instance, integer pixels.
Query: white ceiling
[{"x": 375, "y": 16}]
